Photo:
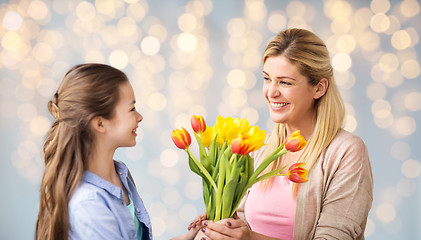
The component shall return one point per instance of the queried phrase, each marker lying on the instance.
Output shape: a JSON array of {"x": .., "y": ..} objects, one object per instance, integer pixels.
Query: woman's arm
[{"x": 347, "y": 191}]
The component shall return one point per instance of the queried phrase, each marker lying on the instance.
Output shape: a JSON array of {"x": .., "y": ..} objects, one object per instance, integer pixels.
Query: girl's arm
[{"x": 190, "y": 235}]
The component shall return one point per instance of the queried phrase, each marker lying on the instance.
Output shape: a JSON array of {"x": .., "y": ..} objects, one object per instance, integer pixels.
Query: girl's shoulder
[
  {"x": 86, "y": 192},
  {"x": 92, "y": 188}
]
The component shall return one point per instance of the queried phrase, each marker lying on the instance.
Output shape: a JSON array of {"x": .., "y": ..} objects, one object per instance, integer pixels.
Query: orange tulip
[
  {"x": 198, "y": 124},
  {"x": 295, "y": 142},
  {"x": 181, "y": 138},
  {"x": 239, "y": 146},
  {"x": 247, "y": 142},
  {"x": 297, "y": 174}
]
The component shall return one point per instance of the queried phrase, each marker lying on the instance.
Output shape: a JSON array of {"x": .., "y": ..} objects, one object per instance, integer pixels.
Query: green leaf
[
  {"x": 202, "y": 169},
  {"x": 202, "y": 152},
  {"x": 213, "y": 151},
  {"x": 227, "y": 198},
  {"x": 230, "y": 188},
  {"x": 194, "y": 167},
  {"x": 220, "y": 188}
]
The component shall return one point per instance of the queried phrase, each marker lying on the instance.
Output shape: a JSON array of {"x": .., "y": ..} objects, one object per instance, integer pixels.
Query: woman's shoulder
[
  {"x": 345, "y": 149},
  {"x": 345, "y": 140}
]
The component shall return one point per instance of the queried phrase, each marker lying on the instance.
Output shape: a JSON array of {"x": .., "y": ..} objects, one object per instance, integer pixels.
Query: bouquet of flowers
[{"x": 225, "y": 165}]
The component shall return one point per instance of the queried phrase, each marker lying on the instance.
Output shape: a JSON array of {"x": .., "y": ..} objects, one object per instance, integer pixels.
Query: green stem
[
  {"x": 202, "y": 168},
  {"x": 270, "y": 174},
  {"x": 279, "y": 151},
  {"x": 219, "y": 191}
]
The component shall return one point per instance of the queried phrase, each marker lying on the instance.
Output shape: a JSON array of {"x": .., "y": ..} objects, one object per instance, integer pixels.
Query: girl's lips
[{"x": 134, "y": 131}]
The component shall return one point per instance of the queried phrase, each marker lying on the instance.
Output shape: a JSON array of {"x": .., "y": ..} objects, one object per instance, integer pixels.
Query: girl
[
  {"x": 300, "y": 91},
  {"x": 85, "y": 194}
]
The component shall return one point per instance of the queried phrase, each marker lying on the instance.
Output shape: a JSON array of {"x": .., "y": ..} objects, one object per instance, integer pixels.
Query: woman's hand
[{"x": 229, "y": 228}]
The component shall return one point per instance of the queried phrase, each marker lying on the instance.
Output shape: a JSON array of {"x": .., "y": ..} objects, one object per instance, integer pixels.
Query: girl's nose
[{"x": 140, "y": 117}]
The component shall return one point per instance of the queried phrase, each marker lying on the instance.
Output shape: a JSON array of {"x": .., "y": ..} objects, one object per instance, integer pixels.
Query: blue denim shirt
[{"x": 97, "y": 209}]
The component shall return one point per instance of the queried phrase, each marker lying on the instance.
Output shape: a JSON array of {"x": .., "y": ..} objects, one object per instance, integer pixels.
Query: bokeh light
[{"x": 204, "y": 57}]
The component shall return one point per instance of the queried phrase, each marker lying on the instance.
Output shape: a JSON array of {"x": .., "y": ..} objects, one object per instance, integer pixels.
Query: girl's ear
[
  {"x": 97, "y": 124},
  {"x": 321, "y": 88}
]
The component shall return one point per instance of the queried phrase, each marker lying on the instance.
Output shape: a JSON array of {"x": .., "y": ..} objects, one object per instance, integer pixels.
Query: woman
[{"x": 300, "y": 91}]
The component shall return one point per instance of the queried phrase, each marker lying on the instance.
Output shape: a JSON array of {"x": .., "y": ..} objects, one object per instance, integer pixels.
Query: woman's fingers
[
  {"x": 224, "y": 229},
  {"x": 233, "y": 223}
]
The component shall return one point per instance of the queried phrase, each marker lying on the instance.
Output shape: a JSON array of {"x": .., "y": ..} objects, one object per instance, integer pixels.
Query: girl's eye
[
  {"x": 134, "y": 108},
  {"x": 285, "y": 83},
  {"x": 266, "y": 79}
]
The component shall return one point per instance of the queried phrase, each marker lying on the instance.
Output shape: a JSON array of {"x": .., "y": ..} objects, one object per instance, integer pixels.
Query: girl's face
[
  {"x": 123, "y": 126},
  {"x": 289, "y": 95}
]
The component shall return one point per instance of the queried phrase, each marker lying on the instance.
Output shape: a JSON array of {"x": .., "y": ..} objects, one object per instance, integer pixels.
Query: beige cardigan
[{"x": 335, "y": 202}]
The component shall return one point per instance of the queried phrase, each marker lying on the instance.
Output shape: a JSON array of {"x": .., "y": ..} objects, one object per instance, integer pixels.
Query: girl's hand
[
  {"x": 197, "y": 221},
  {"x": 227, "y": 229},
  {"x": 193, "y": 228}
]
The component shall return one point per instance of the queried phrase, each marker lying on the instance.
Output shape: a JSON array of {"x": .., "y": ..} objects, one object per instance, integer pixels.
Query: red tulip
[
  {"x": 181, "y": 138},
  {"x": 297, "y": 174},
  {"x": 198, "y": 124},
  {"x": 295, "y": 142}
]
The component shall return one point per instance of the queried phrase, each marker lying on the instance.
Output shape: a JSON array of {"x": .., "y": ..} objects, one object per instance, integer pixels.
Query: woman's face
[{"x": 289, "y": 95}]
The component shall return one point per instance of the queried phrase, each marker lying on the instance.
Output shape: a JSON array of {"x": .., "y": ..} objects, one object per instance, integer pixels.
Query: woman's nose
[{"x": 273, "y": 90}]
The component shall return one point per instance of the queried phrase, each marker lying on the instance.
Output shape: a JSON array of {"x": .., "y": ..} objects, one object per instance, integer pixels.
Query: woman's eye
[
  {"x": 266, "y": 79},
  {"x": 133, "y": 109},
  {"x": 285, "y": 83}
]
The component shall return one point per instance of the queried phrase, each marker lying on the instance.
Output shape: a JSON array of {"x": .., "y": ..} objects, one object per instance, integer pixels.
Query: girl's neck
[{"x": 101, "y": 163}]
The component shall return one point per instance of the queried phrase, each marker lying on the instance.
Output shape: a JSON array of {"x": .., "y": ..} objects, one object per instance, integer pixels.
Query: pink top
[{"x": 271, "y": 212}]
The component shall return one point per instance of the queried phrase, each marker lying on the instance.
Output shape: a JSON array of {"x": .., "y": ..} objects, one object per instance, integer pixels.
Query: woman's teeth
[{"x": 278, "y": 105}]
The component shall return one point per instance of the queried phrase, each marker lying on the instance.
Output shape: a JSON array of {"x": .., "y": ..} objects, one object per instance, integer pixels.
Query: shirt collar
[{"x": 94, "y": 179}]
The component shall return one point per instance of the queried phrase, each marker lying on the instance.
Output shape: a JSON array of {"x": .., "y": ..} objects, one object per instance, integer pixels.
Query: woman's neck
[{"x": 306, "y": 130}]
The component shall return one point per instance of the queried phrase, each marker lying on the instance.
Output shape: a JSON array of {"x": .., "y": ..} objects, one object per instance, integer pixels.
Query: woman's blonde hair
[
  {"x": 308, "y": 52},
  {"x": 86, "y": 91}
]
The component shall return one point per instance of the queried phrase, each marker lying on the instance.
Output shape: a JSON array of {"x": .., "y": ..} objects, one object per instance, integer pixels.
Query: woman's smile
[{"x": 278, "y": 105}]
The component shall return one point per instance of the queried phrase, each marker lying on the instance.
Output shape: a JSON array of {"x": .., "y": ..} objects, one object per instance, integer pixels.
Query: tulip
[
  {"x": 227, "y": 129},
  {"x": 198, "y": 124},
  {"x": 181, "y": 138},
  {"x": 247, "y": 142},
  {"x": 295, "y": 142},
  {"x": 297, "y": 174},
  {"x": 207, "y": 136},
  {"x": 239, "y": 146}
]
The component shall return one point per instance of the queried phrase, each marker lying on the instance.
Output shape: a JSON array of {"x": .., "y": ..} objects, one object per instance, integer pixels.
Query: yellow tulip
[{"x": 207, "y": 136}]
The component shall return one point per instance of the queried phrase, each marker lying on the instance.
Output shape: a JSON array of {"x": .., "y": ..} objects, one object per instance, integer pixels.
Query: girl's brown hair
[
  {"x": 308, "y": 52},
  {"x": 86, "y": 91}
]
